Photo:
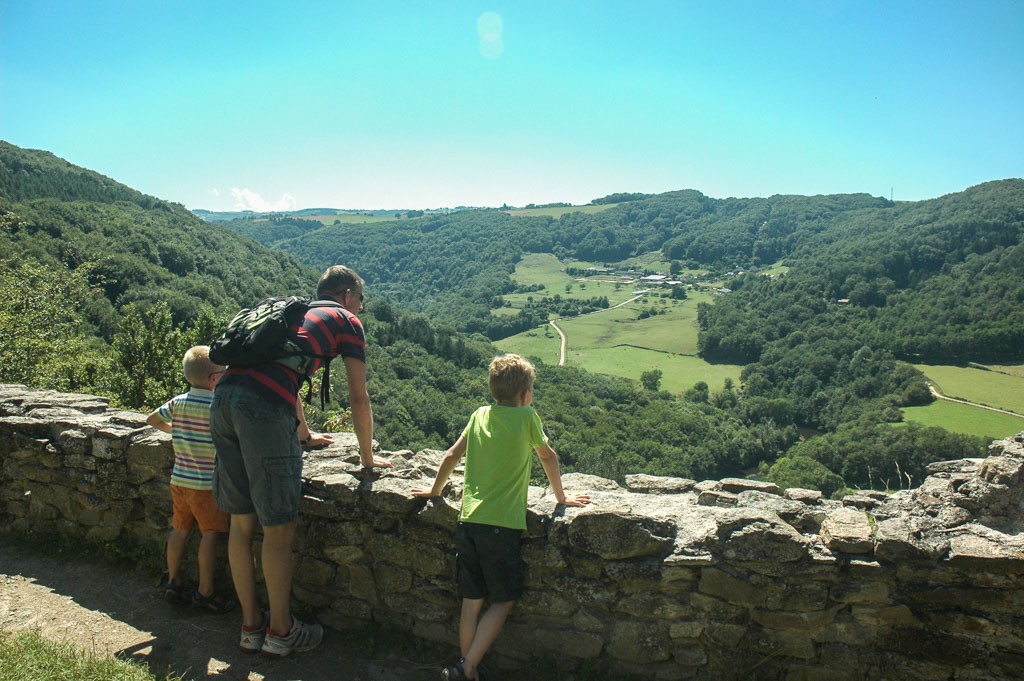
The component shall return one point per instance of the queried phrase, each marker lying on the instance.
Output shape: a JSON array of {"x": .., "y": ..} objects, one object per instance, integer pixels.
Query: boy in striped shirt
[{"x": 187, "y": 418}]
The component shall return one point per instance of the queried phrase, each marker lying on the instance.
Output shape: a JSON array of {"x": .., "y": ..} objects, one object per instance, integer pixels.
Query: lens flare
[{"x": 489, "y": 27}]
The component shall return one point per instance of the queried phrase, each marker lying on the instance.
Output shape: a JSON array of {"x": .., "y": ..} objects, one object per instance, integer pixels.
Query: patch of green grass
[
  {"x": 674, "y": 331},
  {"x": 546, "y": 269},
  {"x": 557, "y": 212},
  {"x": 1010, "y": 369},
  {"x": 577, "y": 290},
  {"x": 539, "y": 268},
  {"x": 603, "y": 329},
  {"x": 961, "y": 418},
  {"x": 775, "y": 270},
  {"x": 505, "y": 311},
  {"x": 345, "y": 219},
  {"x": 679, "y": 372},
  {"x": 991, "y": 388},
  {"x": 654, "y": 260},
  {"x": 27, "y": 656},
  {"x": 542, "y": 342},
  {"x": 670, "y": 332}
]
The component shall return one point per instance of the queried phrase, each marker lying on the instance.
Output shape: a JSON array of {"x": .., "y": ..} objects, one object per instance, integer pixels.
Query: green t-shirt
[{"x": 499, "y": 446}]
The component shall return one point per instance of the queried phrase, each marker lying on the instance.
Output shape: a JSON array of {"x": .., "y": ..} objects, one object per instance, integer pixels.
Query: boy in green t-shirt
[{"x": 497, "y": 444}]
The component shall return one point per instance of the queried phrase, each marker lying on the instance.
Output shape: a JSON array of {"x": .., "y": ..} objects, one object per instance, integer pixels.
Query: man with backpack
[{"x": 259, "y": 430}]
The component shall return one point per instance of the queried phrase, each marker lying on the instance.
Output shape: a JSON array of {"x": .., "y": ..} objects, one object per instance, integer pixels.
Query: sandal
[
  {"x": 171, "y": 592},
  {"x": 457, "y": 673},
  {"x": 215, "y": 603},
  {"x": 454, "y": 673}
]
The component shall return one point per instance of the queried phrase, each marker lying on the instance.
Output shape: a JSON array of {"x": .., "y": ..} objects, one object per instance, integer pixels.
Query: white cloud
[
  {"x": 215, "y": 192},
  {"x": 247, "y": 199}
]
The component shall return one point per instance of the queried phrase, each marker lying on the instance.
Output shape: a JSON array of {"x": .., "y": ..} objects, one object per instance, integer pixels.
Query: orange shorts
[{"x": 193, "y": 506}]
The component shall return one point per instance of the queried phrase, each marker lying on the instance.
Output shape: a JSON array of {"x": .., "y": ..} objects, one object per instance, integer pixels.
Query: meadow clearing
[
  {"x": 615, "y": 341},
  {"x": 558, "y": 211},
  {"x": 349, "y": 218},
  {"x": 1000, "y": 387},
  {"x": 962, "y": 418}
]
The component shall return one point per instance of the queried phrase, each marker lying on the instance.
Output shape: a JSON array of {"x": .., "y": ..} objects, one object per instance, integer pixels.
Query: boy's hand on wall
[
  {"x": 423, "y": 492},
  {"x": 575, "y": 500}
]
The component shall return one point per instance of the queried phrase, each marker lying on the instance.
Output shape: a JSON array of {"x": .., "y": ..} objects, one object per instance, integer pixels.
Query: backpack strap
[{"x": 325, "y": 384}]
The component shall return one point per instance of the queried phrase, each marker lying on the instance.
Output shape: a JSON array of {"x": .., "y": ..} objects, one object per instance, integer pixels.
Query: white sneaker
[
  {"x": 252, "y": 641},
  {"x": 300, "y": 638}
]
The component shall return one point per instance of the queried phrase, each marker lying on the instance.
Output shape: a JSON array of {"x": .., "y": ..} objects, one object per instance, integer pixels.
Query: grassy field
[
  {"x": 775, "y": 270},
  {"x": 1001, "y": 387},
  {"x": 679, "y": 372},
  {"x": 961, "y": 418},
  {"x": 557, "y": 212},
  {"x": 546, "y": 269},
  {"x": 540, "y": 268},
  {"x": 616, "y": 342},
  {"x": 347, "y": 219},
  {"x": 654, "y": 260},
  {"x": 992, "y": 388},
  {"x": 674, "y": 331},
  {"x": 27, "y": 656},
  {"x": 1011, "y": 369},
  {"x": 541, "y": 342}
]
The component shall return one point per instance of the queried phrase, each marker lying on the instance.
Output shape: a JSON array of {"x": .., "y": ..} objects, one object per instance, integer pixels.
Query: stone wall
[{"x": 663, "y": 579}]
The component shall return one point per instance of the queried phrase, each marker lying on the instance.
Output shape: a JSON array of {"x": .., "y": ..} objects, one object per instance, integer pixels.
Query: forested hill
[
  {"x": 935, "y": 280},
  {"x": 27, "y": 174},
  {"x": 135, "y": 248}
]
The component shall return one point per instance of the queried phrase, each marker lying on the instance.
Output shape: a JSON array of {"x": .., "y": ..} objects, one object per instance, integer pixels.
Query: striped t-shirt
[{"x": 189, "y": 417}]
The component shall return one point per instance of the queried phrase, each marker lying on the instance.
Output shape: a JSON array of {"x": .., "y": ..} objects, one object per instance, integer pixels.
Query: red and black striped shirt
[{"x": 325, "y": 331}]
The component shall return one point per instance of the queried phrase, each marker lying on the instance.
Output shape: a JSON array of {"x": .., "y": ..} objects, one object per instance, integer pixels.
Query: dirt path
[
  {"x": 561, "y": 350},
  {"x": 940, "y": 396},
  {"x": 565, "y": 340},
  {"x": 114, "y": 611}
]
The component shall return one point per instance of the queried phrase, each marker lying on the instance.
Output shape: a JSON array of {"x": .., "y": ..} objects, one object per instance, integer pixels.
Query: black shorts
[{"x": 489, "y": 562}]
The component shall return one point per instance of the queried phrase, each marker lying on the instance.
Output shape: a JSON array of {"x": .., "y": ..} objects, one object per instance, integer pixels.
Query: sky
[{"x": 256, "y": 105}]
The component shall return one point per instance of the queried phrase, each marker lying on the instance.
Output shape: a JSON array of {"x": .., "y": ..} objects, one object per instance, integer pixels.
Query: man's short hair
[
  {"x": 197, "y": 365},
  {"x": 337, "y": 279},
  {"x": 509, "y": 375}
]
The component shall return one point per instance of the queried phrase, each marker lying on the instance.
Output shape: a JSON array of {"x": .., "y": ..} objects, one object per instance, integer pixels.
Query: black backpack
[{"x": 262, "y": 334}]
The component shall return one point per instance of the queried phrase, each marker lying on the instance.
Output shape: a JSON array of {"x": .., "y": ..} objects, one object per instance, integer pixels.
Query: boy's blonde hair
[
  {"x": 509, "y": 375},
  {"x": 197, "y": 365}
]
